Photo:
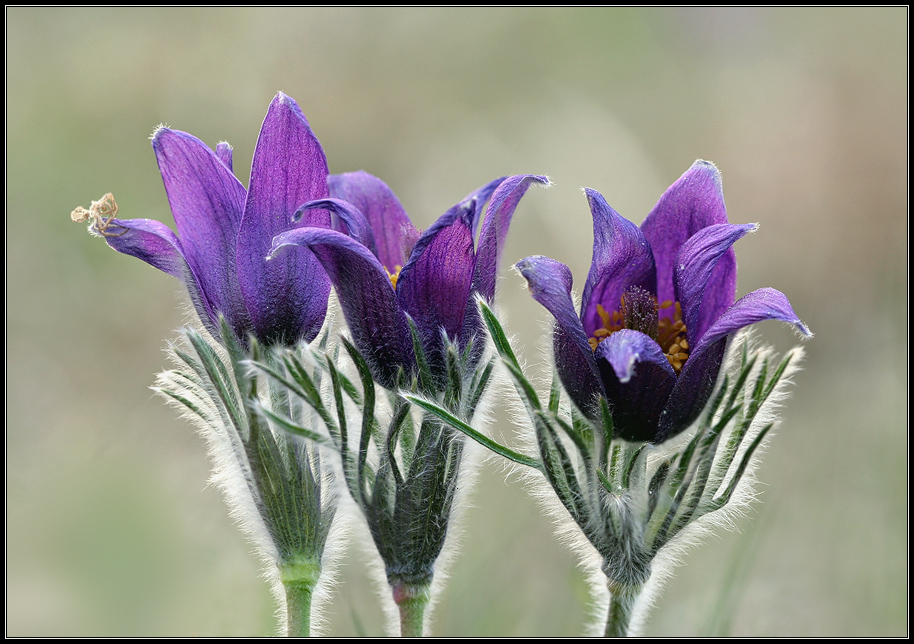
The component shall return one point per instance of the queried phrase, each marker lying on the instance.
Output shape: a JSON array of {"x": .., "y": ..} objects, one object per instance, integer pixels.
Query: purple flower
[
  {"x": 386, "y": 272},
  {"x": 225, "y": 231},
  {"x": 657, "y": 309}
]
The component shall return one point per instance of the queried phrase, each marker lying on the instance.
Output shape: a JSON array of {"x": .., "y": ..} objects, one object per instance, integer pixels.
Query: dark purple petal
[
  {"x": 699, "y": 374},
  {"x": 495, "y": 228},
  {"x": 287, "y": 297},
  {"x": 350, "y": 219},
  {"x": 155, "y": 243},
  {"x": 694, "y": 202},
  {"x": 638, "y": 379},
  {"x": 550, "y": 284},
  {"x": 480, "y": 197},
  {"x": 698, "y": 257},
  {"x": 434, "y": 286},
  {"x": 207, "y": 201},
  {"x": 692, "y": 391},
  {"x": 507, "y": 194},
  {"x": 379, "y": 328},
  {"x": 621, "y": 258},
  {"x": 394, "y": 233}
]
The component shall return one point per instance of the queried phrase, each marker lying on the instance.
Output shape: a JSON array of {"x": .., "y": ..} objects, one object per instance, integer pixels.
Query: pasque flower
[
  {"x": 386, "y": 272},
  {"x": 225, "y": 231},
  {"x": 657, "y": 311}
]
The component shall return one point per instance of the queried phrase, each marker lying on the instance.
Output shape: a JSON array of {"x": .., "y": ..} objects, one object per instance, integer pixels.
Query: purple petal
[
  {"x": 351, "y": 219},
  {"x": 207, "y": 201},
  {"x": 155, "y": 243},
  {"x": 694, "y": 202},
  {"x": 286, "y": 298},
  {"x": 699, "y": 374},
  {"x": 550, "y": 284},
  {"x": 224, "y": 152},
  {"x": 698, "y": 257},
  {"x": 692, "y": 391},
  {"x": 638, "y": 380},
  {"x": 394, "y": 234},
  {"x": 507, "y": 194},
  {"x": 480, "y": 197},
  {"x": 379, "y": 328},
  {"x": 621, "y": 258},
  {"x": 763, "y": 304},
  {"x": 495, "y": 228},
  {"x": 434, "y": 286}
]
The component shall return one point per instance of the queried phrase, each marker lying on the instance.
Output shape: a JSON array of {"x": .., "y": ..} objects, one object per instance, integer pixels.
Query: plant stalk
[
  {"x": 622, "y": 600},
  {"x": 299, "y": 580},
  {"x": 411, "y": 600}
]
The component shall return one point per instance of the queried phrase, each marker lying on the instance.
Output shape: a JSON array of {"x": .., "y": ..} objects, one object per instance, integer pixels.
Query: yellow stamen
[
  {"x": 671, "y": 331},
  {"x": 395, "y": 275}
]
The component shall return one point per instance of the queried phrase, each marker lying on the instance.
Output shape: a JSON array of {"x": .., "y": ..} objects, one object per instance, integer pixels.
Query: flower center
[
  {"x": 395, "y": 275},
  {"x": 638, "y": 310}
]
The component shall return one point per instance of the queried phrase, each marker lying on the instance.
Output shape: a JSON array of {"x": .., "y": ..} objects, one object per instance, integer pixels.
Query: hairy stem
[
  {"x": 299, "y": 579},
  {"x": 622, "y": 600},
  {"x": 412, "y": 600}
]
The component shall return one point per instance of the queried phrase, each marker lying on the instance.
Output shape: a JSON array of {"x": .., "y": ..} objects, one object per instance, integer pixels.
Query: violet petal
[
  {"x": 393, "y": 232},
  {"x": 224, "y": 152},
  {"x": 698, "y": 257},
  {"x": 693, "y": 202},
  {"x": 207, "y": 201},
  {"x": 480, "y": 198},
  {"x": 694, "y": 387},
  {"x": 507, "y": 194},
  {"x": 763, "y": 304},
  {"x": 638, "y": 380},
  {"x": 348, "y": 219},
  {"x": 156, "y": 244},
  {"x": 287, "y": 297},
  {"x": 621, "y": 258},
  {"x": 550, "y": 284},
  {"x": 378, "y": 325},
  {"x": 699, "y": 374},
  {"x": 495, "y": 228},
  {"x": 434, "y": 286}
]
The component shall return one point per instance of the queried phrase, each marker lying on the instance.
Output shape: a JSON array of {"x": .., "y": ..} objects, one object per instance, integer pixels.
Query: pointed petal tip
[
  {"x": 803, "y": 330},
  {"x": 158, "y": 132},
  {"x": 706, "y": 168},
  {"x": 596, "y": 200},
  {"x": 283, "y": 100},
  {"x": 155, "y": 130}
]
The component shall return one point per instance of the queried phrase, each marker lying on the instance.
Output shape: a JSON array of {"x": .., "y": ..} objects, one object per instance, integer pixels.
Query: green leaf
[
  {"x": 289, "y": 426},
  {"x": 368, "y": 418},
  {"x": 426, "y": 378},
  {"x": 744, "y": 464},
  {"x": 480, "y": 383},
  {"x": 555, "y": 394},
  {"x": 483, "y": 440}
]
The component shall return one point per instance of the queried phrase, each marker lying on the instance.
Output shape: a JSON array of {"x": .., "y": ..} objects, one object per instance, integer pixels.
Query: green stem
[
  {"x": 412, "y": 600},
  {"x": 299, "y": 579},
  {"x": 622, "y": 600}
]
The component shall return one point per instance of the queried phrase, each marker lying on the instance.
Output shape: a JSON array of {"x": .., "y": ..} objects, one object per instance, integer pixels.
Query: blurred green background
[{"x": 111, "y": 528}]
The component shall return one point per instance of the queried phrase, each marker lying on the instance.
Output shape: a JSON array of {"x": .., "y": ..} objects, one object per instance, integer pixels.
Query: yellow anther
[
  {"x": 671, "y": 331},
  {"x": 395, "y": 275}
]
